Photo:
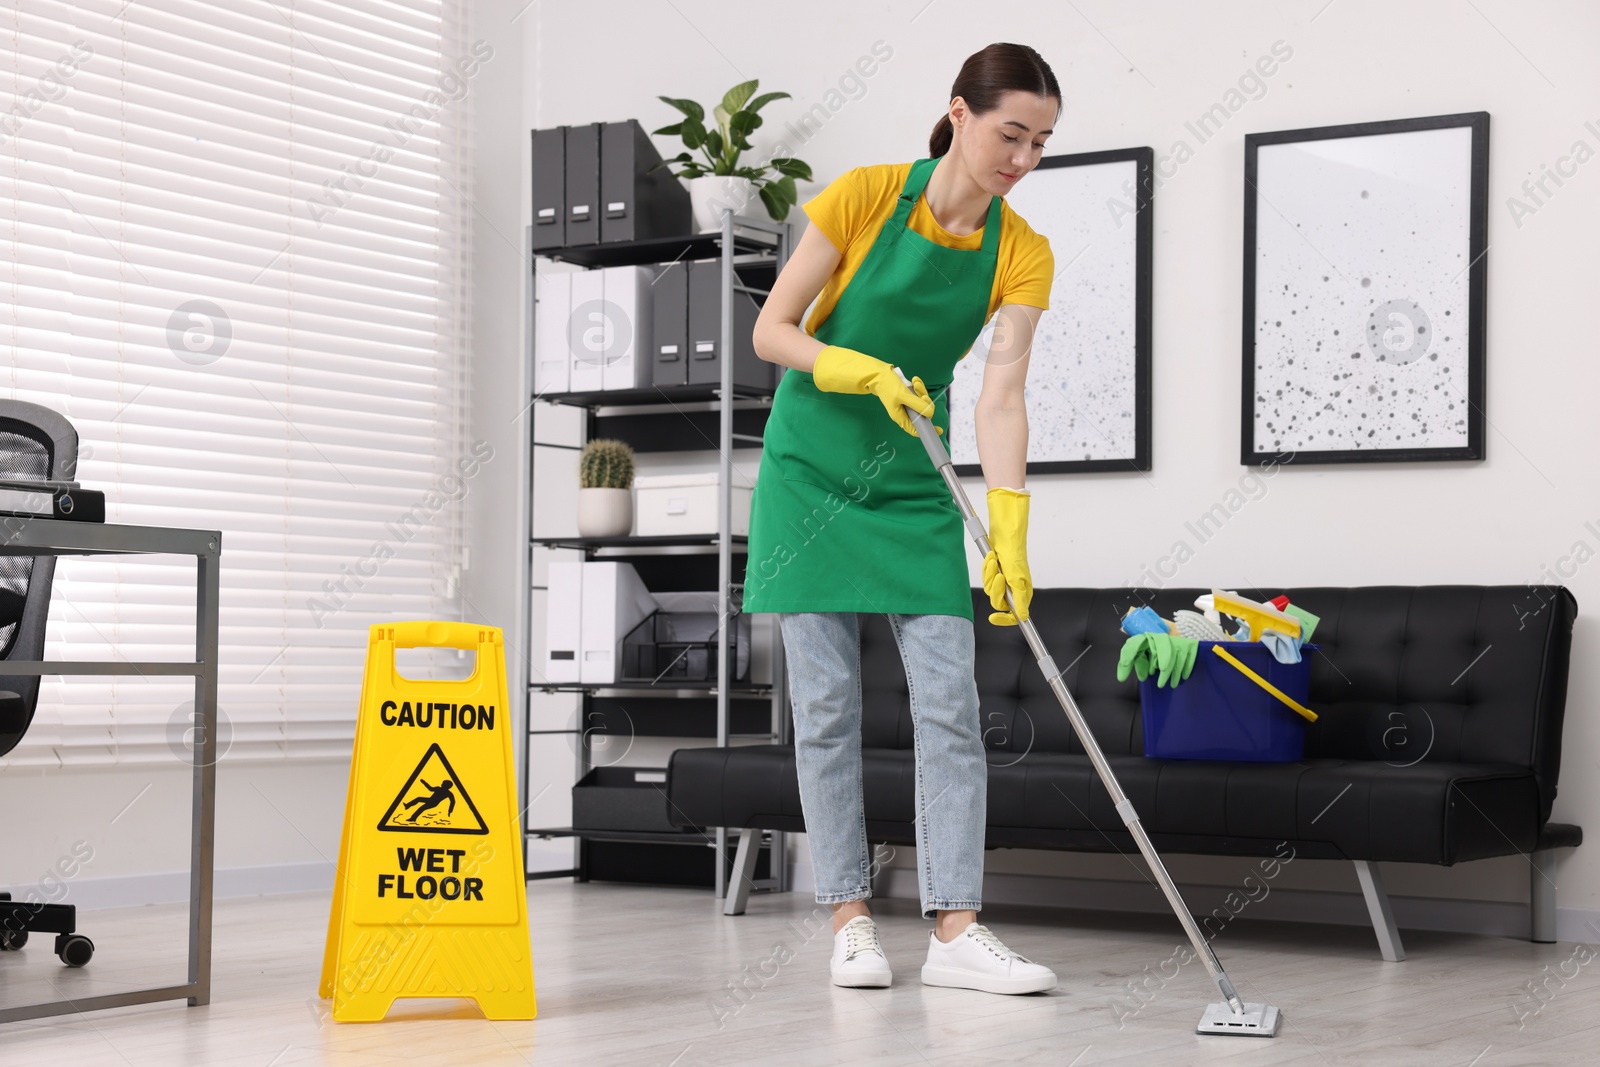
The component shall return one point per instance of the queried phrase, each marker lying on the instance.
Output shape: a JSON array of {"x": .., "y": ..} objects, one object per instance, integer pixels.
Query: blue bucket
[{"x": 1220, "y": 713}]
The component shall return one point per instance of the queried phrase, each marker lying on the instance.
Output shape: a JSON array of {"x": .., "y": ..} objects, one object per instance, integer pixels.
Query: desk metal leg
[
  {"x": 203, "y": 836},
  {"x": 89, "y": 539}
]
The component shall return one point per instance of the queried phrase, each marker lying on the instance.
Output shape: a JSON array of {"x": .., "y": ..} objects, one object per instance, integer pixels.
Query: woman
[{"x": 848, "y": 515}]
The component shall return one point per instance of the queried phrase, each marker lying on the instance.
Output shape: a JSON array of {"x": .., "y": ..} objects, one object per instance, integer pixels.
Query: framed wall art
[
  {"x": 1088, "y": 391},
  {"x": 1364, "y": 284}
]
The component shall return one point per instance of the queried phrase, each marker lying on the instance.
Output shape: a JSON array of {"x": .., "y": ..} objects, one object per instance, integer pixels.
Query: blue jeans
[{"x": 823, "y": 653}]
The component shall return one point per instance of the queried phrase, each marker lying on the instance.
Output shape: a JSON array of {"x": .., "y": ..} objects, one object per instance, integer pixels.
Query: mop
[{"x": 1232, "y": 1016}]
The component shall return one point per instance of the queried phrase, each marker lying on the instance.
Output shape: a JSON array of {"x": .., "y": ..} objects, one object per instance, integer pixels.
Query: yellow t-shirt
[{"x": 855, "y": 205}]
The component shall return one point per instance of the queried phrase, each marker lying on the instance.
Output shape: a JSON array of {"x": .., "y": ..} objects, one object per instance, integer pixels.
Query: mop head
[{"x": 1258, "y": 1020}]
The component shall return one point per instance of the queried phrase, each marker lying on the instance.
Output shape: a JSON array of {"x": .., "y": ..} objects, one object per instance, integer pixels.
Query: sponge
[
  {"x": 1144, "y": 620},
  {"x": 1308, "y": 621}
]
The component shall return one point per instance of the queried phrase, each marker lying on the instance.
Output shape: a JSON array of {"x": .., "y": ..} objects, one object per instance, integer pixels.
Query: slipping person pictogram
[
  {"x": 423, "y": 807},
  {"x": 437, "y": 795}
]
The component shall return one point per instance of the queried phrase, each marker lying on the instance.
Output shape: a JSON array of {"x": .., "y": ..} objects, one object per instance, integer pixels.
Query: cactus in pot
[
  {"x": 606, "y": 464},
  {"x": 605, "y": 489}
]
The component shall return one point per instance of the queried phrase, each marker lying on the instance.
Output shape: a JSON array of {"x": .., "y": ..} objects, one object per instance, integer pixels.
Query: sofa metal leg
[
  {"x": 744, "y": 868},
  {"x": 1542, "y": 895},
  {"x": 1378, "y": 907}
]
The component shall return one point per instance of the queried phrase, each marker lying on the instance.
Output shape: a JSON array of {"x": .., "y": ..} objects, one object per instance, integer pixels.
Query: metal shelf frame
[
  {"x": 660, "y": 541},
  {"x": 740, "y": 242}
]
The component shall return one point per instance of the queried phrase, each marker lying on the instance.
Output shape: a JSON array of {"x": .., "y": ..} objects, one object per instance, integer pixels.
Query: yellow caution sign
[{"x": 430, "y": 896}]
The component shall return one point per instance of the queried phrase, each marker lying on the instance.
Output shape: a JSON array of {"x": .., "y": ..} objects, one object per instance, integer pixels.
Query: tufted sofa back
[{"x": 1456, "y": 673}]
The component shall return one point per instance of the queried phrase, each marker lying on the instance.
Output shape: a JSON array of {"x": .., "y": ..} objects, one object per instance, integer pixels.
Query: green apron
[{"x": 848, "y": 514}]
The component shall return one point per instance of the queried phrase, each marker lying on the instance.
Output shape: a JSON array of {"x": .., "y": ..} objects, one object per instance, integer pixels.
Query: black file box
[
  {"x": 637, "y": 203},
  {"x": 750, "y": 371},
  {"x": 583, "y": 184},
  {"x": 549, "y": 188},
  {"x": 670, "y": 345}
]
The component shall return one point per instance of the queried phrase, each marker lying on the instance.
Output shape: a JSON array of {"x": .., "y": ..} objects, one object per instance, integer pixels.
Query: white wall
[
  {"x": 110, "y": 836},
  {"x": 1133, "y": 75}
]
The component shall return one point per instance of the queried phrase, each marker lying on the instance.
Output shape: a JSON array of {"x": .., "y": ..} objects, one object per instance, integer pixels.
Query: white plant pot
[
  {"x": 710, "y": 193},
  {"x": 605, "y": 512}
]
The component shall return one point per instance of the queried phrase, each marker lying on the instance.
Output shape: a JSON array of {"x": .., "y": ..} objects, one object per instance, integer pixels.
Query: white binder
[
  {"x": 630, "y": 303},
  {"x": 589, "y": 331},
  {"x": 551, "y": 357},
  {"x": 563, "y": 608}
]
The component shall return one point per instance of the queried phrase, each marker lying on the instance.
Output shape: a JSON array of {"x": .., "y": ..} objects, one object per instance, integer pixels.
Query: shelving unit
[{"x": 678, "y": 418}]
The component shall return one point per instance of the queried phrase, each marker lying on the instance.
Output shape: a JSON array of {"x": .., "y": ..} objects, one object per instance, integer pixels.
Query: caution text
[{"x": 426, "y": 714}]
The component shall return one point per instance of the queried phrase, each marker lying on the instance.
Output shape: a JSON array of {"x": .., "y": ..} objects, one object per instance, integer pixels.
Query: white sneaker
[
  {"x": 858, "y": 959},
  {"x": 977, "y": 959}
]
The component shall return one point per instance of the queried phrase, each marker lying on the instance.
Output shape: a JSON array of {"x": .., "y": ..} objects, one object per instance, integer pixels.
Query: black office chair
[{"x": 36, "y": 445}]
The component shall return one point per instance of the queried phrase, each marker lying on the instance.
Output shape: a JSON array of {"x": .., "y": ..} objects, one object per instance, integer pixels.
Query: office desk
[{"x": 55, "y": 537}]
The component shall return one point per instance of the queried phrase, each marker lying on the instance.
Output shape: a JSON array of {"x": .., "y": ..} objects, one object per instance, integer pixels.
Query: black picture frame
[
  {"x": 1265, "y": 350},
  {"x": 1135, "y": 191}
]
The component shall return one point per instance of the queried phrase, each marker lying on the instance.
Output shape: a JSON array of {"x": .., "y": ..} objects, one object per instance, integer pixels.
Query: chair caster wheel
[
  {"x": 74, "y": 949},
  {"x": 12, "y": 940}
]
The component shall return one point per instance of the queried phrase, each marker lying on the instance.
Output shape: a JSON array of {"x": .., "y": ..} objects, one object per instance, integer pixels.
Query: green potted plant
[
  {"x": 719, "y": 181},
  {"x": 605, "y": 489}
]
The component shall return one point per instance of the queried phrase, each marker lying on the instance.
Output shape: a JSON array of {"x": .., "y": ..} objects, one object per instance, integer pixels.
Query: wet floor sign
[{"x": 430, "y": 899}]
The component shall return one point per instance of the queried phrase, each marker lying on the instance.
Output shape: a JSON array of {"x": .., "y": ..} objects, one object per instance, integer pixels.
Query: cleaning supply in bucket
[
  {"x": 1195, "y": 625},
  {"x": 1203, "y": 602},
  {"x": 1308, "y": 621},
  {"x": 1259, "y": 616},
  {"x": 1171, "y": 657},
  {"x": 1144, "y": 620},
  {"x": 1284, "y": 649}
]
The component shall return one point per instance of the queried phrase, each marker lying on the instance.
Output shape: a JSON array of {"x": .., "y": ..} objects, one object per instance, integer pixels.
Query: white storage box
[
  {"x": 615, "y": 600},
  {"x": 593, "y": 605},
  {"x": 686, "y": 504}
]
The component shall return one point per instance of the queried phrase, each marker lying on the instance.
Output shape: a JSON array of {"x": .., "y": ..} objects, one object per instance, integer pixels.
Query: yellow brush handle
[{"x": 1310, "y": 716}]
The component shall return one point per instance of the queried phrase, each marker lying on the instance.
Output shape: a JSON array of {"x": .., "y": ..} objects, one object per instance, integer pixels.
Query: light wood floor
[{"x": 632, "y": 975}]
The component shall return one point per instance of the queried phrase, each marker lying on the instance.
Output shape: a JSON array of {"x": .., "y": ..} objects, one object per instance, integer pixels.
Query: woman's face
[{"x": 1001, "y": 147}]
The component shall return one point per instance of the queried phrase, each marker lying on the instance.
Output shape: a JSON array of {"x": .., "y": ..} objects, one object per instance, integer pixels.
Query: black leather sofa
[{"x": 1439, "y": 740}]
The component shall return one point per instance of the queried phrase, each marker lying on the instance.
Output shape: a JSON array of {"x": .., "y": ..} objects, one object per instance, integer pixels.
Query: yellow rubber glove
[
  {"x": 844, "y": 370},
  {"x": 1006, "y": 565}
]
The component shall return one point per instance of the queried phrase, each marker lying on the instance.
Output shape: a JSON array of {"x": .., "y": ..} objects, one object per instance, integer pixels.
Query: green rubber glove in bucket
[
  {"x": 1170, "y": 656},
  {"x": 1175, "y": 656},
  {"x": 1135, "y": 658}
]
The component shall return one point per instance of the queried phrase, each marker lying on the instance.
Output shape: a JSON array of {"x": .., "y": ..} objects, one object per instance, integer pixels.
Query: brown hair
[{"x": 989, "y": 74}]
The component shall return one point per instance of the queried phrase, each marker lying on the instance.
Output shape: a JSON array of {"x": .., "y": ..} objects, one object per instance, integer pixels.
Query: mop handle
[{"x": 931, "y": 441}]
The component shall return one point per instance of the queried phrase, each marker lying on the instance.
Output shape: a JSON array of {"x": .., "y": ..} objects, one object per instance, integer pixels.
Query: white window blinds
[{"x": 232, "y": 246}]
